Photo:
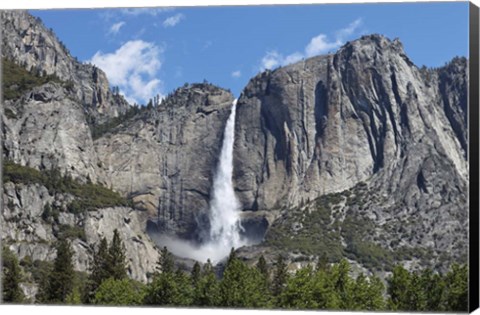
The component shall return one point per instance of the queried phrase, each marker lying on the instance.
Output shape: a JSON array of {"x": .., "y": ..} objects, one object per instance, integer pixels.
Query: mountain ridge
[{"x": 361, "y": 136}]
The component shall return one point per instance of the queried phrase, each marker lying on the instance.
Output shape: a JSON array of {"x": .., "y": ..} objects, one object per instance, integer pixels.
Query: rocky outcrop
[
  {"x": 27, "y": 231},
  {"x": 141, "y": 253},
  {"x": 364, "y": 114},
  {"x": 165, "y": 160},
  {"x": 324, "y": 124},
  {"x": 46, "y": 128},
  {"x": 30, "y": 44}
]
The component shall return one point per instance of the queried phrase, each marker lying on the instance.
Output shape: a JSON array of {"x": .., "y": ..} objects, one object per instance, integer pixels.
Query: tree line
[{"x": 324, "y": 286}]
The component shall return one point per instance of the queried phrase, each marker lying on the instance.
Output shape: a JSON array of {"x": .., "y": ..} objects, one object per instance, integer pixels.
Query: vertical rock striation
[
  {"x": 364, "y": 115},
  {"x": 326, "y": 123},
  {"x": 166, "y": 158}
]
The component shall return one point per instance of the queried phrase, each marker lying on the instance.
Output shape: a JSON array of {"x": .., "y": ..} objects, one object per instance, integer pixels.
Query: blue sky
[{"x": 153, "y": 51}]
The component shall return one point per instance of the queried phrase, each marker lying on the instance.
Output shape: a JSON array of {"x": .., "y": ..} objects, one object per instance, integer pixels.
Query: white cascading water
[{"x": 224, "y": 209}]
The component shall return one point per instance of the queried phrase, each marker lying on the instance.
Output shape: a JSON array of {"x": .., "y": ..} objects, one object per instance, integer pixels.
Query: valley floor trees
[{"x": 326, "y": 286}]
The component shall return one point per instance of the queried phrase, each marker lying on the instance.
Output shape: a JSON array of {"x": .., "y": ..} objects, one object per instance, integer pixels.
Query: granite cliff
[
  {"x": 364, "y": 117},
  {"x": 357, "y": 154},
  {"x": 165, "y": 158},
  {"x": 27, "y": 41},
  {"x": 329, "y": 122}
]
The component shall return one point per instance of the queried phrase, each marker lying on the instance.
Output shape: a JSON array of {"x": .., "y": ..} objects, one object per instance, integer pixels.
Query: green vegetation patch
[
  {"x": 318, "y": 230},
  {"x": 89, "y": 196},
  {"x": 17, "y": 80},
  {"x": 71, "y": 232},
  {"x": 9, "y": 113},
  {"x": 315, "y": 235},
  {"x": 370, "y": 255},
  {"x": 21, "y": 174},
  {"x": 328, "y": 286},
  {"x": 99, "y": 130}
]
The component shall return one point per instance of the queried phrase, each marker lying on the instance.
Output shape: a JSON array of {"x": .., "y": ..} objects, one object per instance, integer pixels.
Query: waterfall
[
  {"x": 224, "y": 207},
  {"x": 224, "y": 210}
]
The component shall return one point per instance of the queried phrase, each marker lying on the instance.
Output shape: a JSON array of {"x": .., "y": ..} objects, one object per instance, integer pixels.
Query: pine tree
[
  {"x": 169, "y": 288},
  {"x": 324, "y": 290},
  {"x": 98, "y": 270},
  {"x": 196, "y": 274},
  {"x": 434, "y": 288},
  {"x": 280, "y": 276},
  {"x": 262, "y": 267},
  {"x": 399, "y": 290},
  {"x": 150, "y": 104},
  {"x": 116, "y": 258},
  {"x": 185, "y": 288},
  {"x": 322, "y": 263},
  {"x": 207, "y": 268},
  {"x": 11, "y": 276},
  {"x": 242, "y": 286},
  {"x": 360, "y": 293},
  {"x": 343, "y": 284},
  {"x": 367, "y": 294},
  {"x": 108, "y": 262},
  {"x": 207, "y": 292},
  {"x": 416, "y": 294},
  {"x": 375, "y": 300},
  {"x": 166, "y": 263},
  {"x": 120, "y": 292},
  {"x": 42, "y": 279},
  {"x": 456, "y": 290},
  {"x": 299, "y": 291},
  {"x": 60, "y": 282},
  {"x": 231, "y": 256}
]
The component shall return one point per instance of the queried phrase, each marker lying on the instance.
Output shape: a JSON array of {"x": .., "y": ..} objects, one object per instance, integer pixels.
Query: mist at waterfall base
[{"x": 224, "y": 212}]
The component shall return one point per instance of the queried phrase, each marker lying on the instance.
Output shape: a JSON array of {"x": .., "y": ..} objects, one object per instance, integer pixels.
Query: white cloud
[
  {"x": 115, "y": 28},
  {"x": 145, "y": 11},
  {"x": 319, "y": 44},
  {"x": 133, "y": 67},
  {"x": 349, "y": 30},
  {"x": 173, "y": 20},
  {"x": 236, "y": 74},
  {"x": 272, "y": 60},
  {"x": 296, "y": 56}
]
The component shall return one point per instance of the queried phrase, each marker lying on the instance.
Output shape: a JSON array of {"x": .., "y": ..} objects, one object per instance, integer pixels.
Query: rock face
[
  {"x": 163, "y": 158},
  {"x": 49, "y": 125},
  {"x": 326, "y": 123},
  {"x": 27, "y": 41},
  {"x": 365, "y": 117},
  {"x": 46, "y": 128},
  {"x": 166, "y": 159},
  {"x": 364, "y": 114},
  {"x": 27, "y": 233}
]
